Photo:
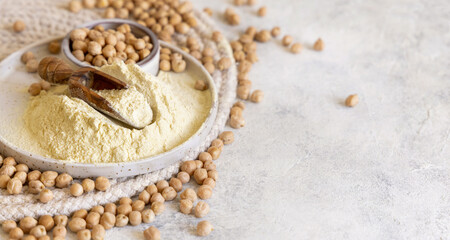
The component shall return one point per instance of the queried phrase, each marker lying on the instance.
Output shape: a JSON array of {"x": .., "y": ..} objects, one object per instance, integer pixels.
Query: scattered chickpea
[
  {"x": 237, "y": 122},
  {"x": 44, "y": 86},
  {"x": 216, "y": 36},
  {"x": 200, "y": 85},
  {"x": 16, "y": 233},
  {"x": 138, "y": 205},
  {"x": 81, "y": 213},
  {"x": 176, "y": 184},
  {"x": 245, "y": 66},
  {"x": 54, "y": 47},
  {"x": 257, "y": 96},
  {"x": 263, "y": 36},
  {"x": 135, "y": 218},
  {"x": 45, "y": 196},
  {"x": 178, "y": 65},
  {"x": 203, "y": 156},
  {"x": 287, "y": 40},
  {"x": 7, "y": 170},
  {"x": 184, "y": 177},
  {"x": 144, "y": 196},
  {"x": 60, "y": 220},
  {"x": 296, "y": 48},
  {"x": 158, "y": 208},
  {"x": 251, "y": 2},
  {"x": 199, "y": 164},
  {"x": 169, "y": 193},
  {"x": 189, "y": 167},
  {"x": 209, "y": 165},
  {"x": 26, "y": 56},
  {"x": 243, "y": 92},
  {"x": 29, "y": 237},
  {"x": 63, "y": 180},
  {"x": 27, "y": 223},
  {"x": 48, "y": 178},
  {"x": 262, "y": 11},
  {"x": 151, "y": 189},
  {"x": 121, "y": 220},
  {"x": 214, "y": 151},
  {"x": 318, "y": 45},
  {"x": 32, "y": 65},
  {"x": 108, "y": 220},
  {"x": 204, "y": 228},
  {"x": 22, "y": 176},
  {"x": 76, "y": 190},
  {"x": 190, "y": 194},
  {"x": 98, "y": 232},
  {"x": 224, "y": 63},
  {"x": 92, "y": 219},
  {"x": 102, "y": 184},
  {"x": 148, "y": 216},
  {"x": 99, "y": 208},
  {"x": 19, "y": 26},
  {"x": 200, "y": 175},
  {"x": 59, "y": 231},
  {"x": 46, "y": 221},
  {"x": 124, "y": 209},
  {"x": 201, "y": 209},
  {"x": 164, "y": 65},
  {"x": 4, "y": 179},
  {"x": 275, "y": 32},
  {"x": 14, "y": 186},
  {"x": 8, "y": 225},
  {"x": 217, "y": 143},
  {"x": 38, "y": 231},
  {"x": 152, "y": 233},
  {"x": 236, "y": 111},
  {"x": 84, "y": 234},
  {"x": 208, "y": 11},
  {"x": 210, "y": 182},
  {"x": 161, "y": 185},
  {"x": 227, "y": 137},
  {"x": 352, "y": 100},
  {"x": 76, "y": 224}
]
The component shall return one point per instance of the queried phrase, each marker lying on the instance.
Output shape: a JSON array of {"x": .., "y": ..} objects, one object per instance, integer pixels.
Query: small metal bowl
[{"x": 150, "y": 63}]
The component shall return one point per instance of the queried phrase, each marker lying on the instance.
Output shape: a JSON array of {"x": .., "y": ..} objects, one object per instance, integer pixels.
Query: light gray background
[{"x": 305, "y": 166}]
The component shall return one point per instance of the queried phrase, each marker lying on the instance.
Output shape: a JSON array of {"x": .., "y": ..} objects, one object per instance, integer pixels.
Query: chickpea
[
  {"x": 287, "y": 40},
  {"x": 189, "y": 167},
  {"x": 29, "y": 237},
  {"x": 84, "y": 234},
  {"x": 217, "y": 36},
  {"x": 99, "y": 209},
  {"x": 124, "y": 209},
  {"x": 263, "y": 36},
  {"x": 15, "y": 233},
  {"x": 63, "y": 180},
  {"x": 183, "y": 177},
  {"x": 169, "y": 193},
  {"x": 59, "y": 231},
  {"x": 351, "y": 100},
  {"x": 243, "y": 92},
  {"x": 165, "y": 65},
  {"x": 196, "y": 54},
  {"x": 14, "y": 186},
  {"x": 92, "y": 219},
  {"x": 250, "y": 48},
  {"x": 213, "y": 174},
  {"x": 46, "y": 221},
  {"x": 239, "y": 104},
  {"x": 79, "y": 55},
  {"x": 296, "y": 48},
  {"x": 200, "y": 175},
  {"x": 152, "y": 233},
  {"x": 111, "y": 208},
  {"x": 139, "y": 44},
  {"x": 208, "y": 11},
  {"x": 144, "y": 196},
  {"x": 102, "y": 184},
  {"x": 48, "y": 178},
  {"x": 99, "y": 61},
  {"x": 209, "y": 165},
  {"x": 186, "y": 206},
  {"x": 239, "y": 56},
  {"x": 158, "y": 208},
  {"x": 203, "y": 156},
  {"x": 77, "y": 224},
  {"x": 27, "y": 223},
  {"x": 318, "y": 45},
  {"x": 94, "y": 48},
  {"x": 76, "y": 190},
  {"x": 19, "y": 26},
  {"x": 82, "y": 213},
  {"x": 88, "y": 58},
  {"x": 161, "y": 185},
  {"x": 224, "y": 63},
  {"x": 22, "y": 176},
  {"x": 98, "y": 232},
  {"x": 207, "y": 59},
  {"x": 143, "y": 53},
  {"x": 109, "y": 51},
  {"x": 26, "y": 56},
  {"x": 8, "y": 225},
  {"x": 54, "y": 47},
  {"x": 38, "y": 231},
  {"x": 176, "y": 184},
  {"x": 262, "y": 11},
  {"x": 148, "y": 216},
  {"x": 121, "y": 220},
  {"x": 182, "y": 28},
  {"x": 210, "y": 182},
  {"x": 239, "y": 2},
  {"x": 151, "y": 189},
  {"x": 133, "y": 56},
  {"x": 60, "y": 220},
  {"x": 125, "y": 200},
  {"x": 200, "y": 85},
  {"x": 4, "y": 179},
  {"x": 89, "y": 3},
  {"x": 217, "y": 143},
  {"x": 34, "y": 88},
  {"x": 138, "y": 205},
  {"x": 178, "y": 65},
  {"x": 236, "y": 110},
  {"x": 109, "y": 13},
  {"x": 204, "y": 192},
  {"x": 252, "y": 57},
  {"x": 214, "y": 151},
  {"x": 190, "y": 194},
  {"x": 78, "y": 34},
  {"x": 135, "y": 218},
  {"x": 204, "y": 228},
  {"x": 46, "y": 237},
  {"x": 46, "y": 195},
  {"x": 157, "y": 197},
  {"x": 201, "y": 209},
  {"x": 257, "y": 96},
  {"x": 32, "y": 66},
  {"x": 275, "y": 31}
]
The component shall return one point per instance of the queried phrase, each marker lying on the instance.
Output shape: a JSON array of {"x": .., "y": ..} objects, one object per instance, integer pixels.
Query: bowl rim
[{"x": 90, "y": 25}]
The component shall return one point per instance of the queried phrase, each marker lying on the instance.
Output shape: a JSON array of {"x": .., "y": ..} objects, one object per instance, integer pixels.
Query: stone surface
[{"x": 307, "y": 167}]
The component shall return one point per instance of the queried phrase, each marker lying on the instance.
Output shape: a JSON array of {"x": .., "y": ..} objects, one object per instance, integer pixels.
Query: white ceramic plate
[{"x": 14, "y": 82}]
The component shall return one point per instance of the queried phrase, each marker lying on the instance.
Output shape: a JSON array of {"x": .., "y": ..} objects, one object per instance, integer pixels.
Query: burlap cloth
[{"x": 50, "y": 18}]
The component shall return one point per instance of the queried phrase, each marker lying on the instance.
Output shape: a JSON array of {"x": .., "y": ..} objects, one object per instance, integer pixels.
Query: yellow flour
[{"x": 69, "y": 129}]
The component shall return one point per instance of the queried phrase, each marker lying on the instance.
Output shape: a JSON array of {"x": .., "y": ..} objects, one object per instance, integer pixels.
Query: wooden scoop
[{"x": 82, "y": 84}]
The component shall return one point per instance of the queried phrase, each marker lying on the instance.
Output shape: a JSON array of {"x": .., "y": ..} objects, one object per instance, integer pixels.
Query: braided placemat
[{"x": 50, "y": 18}]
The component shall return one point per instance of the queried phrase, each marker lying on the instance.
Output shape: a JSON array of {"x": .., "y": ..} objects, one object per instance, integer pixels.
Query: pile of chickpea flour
[{"x": 67, "y": 128}]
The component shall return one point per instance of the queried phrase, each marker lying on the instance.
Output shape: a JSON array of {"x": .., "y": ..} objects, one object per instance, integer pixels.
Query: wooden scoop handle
[
  {"x": 54, "y": 70},
  {"x": 97, "y": 80}
]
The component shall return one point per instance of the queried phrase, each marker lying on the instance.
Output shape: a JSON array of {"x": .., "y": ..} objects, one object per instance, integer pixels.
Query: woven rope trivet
[{"x": 50, "y": 18}]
